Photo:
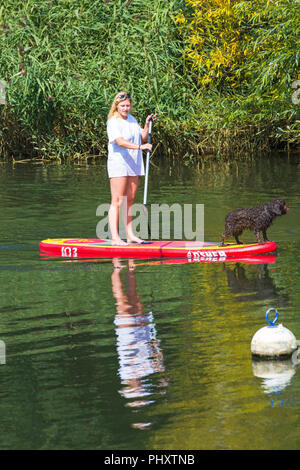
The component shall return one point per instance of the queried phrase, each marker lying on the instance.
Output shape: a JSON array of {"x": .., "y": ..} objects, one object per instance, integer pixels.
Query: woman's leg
[
  {"x": 118, "y": 187},
  {"x": 131, "y": 189}
]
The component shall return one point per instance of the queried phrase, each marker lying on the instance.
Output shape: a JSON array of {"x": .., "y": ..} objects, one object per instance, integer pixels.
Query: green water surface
[{"x": 151, "y": 355}]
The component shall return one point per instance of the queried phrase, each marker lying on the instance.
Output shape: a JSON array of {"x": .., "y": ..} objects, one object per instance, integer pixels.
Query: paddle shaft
[{"x": 147, "y": 165}]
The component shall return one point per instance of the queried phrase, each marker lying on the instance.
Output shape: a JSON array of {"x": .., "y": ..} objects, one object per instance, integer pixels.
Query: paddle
[
  {"x": 147, "y": 176},
  {"x": 147, "y": 164}
]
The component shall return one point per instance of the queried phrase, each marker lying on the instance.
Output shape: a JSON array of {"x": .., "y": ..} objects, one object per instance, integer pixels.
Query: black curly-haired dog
[{"x": 258, "y": 218}]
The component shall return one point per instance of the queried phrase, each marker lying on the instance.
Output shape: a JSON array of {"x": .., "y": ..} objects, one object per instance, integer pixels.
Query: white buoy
[
  {"x": 273, "y": 341},
  {"x": 276, "y": 374}
]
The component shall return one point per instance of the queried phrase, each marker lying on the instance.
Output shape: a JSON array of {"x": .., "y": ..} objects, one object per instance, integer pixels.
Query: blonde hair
[{"x": 116, "y": 101}]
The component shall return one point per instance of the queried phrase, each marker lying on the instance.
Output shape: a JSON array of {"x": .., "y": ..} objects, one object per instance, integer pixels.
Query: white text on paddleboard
[
  {"x": 69, "y": 251},
  {"x": 197, "y": 255}
]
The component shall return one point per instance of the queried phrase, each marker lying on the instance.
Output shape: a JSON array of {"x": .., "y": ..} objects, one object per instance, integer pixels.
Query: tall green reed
[{"x": 64, "y": 60}]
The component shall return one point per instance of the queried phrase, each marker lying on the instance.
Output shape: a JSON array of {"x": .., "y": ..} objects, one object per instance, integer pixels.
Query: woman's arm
[
  {"x": 144, "y": 146},
  {"x": 131, "y": 145}
]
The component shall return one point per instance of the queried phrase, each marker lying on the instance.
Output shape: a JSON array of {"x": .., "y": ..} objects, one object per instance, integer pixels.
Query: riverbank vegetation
[{"x": 223, "y": 75}]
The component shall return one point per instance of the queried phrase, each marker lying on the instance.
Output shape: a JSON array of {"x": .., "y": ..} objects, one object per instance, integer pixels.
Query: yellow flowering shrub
[
  {"x": 211, "y": 37},
  {"x": 243, "y": 43}
]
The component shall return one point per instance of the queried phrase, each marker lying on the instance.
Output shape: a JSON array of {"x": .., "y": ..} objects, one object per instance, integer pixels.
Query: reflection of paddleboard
[
  {"x": 262, "y": 259},
  {"x": 255, "y": 259},
  {"x": 190, "y": 250}
]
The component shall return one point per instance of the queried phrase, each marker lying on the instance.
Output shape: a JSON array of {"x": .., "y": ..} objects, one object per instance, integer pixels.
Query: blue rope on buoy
[{"x": 272, "y": 323}]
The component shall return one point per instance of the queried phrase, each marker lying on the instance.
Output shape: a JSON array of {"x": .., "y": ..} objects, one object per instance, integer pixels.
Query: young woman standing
[{"x": 126, "y": 140}]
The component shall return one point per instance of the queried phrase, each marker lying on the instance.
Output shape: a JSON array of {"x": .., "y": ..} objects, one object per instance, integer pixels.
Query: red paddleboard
[{"x": 190, "y": 250}]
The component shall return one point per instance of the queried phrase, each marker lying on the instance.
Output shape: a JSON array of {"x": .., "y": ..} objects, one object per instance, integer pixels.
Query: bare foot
[
  {"x": 131, "y": 265},
  {"x": 134, "y": 240},
  {"x": 117, "y": 264},
  {"x": 118, "y": 242}
]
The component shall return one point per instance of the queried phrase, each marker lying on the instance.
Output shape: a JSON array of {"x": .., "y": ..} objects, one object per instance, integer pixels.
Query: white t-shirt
[{"x": 122, "y": 161}]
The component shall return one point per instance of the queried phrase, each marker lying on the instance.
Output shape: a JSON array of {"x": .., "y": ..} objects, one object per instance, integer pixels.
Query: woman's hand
[
  {"x": 146, "y": 147},
  {"x": 145, "y": 131},
  {"x": 149, "y": 117}
]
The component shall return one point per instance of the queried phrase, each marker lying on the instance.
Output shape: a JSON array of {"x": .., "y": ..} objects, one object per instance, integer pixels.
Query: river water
[{"x": 150, "y": 355}]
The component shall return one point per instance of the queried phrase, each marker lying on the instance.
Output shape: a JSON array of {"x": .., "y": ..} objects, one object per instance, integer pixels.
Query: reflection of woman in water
[{"x": 137, "y": 346}]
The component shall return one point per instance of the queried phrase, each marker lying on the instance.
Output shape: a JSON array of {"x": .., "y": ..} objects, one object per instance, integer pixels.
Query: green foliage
[
  {"x": 271, "y": 42},
  {"x": 244, "y": 57},
  {"x": 212, "y": 39},
  {"x": 66, "y": 59}
]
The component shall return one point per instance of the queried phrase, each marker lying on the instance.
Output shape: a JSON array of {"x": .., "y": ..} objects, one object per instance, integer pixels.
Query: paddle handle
[{"x": 147, "y": 164}]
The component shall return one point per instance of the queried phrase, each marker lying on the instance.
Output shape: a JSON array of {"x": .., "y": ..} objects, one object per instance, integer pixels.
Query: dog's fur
[{"x": 258, "y": 218}]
